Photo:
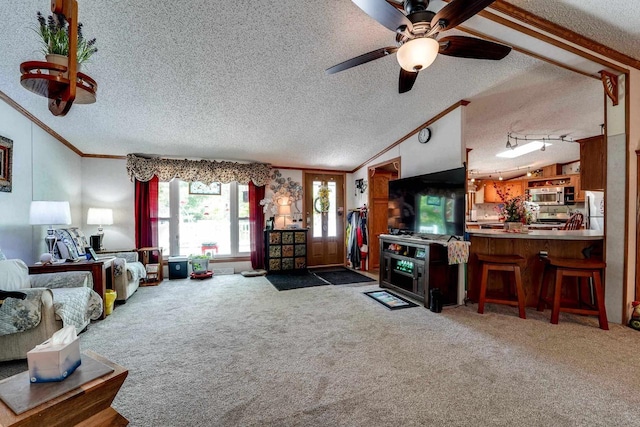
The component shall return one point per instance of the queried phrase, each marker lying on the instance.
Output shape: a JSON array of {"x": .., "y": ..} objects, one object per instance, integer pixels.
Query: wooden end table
[
  {"x": 98, "y": 270},
  {"x": 87, "y": 405}
]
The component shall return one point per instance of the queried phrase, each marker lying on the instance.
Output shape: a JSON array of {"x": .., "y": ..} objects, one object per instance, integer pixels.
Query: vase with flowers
[{"x": 515, "y": 211}]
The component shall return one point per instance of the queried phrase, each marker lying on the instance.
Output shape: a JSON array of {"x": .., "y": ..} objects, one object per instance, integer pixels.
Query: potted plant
[
  {"x": 199, "y": 263},
  {"x": 54, "y": 34}
]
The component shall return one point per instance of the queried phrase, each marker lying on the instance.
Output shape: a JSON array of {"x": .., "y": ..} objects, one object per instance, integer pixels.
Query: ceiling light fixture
[
  {"x": 417, "y": 54},
  {"x": 62, "y": 84},
  {"x": 523, "y": 149}
]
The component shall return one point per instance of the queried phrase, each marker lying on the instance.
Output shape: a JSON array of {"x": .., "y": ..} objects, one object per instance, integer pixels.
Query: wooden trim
[
  {"x": 547, "y": 39},
  {"x": 105, "y": 156},
  {"x": 37, "y": 121},
  {"x": 394, "y": 161},
  {"x": 527, "y": 52},
  {"x": 564, "y": 33},
  {"x": 336, "y": 171},
  {"x": 413, "y": 132}
]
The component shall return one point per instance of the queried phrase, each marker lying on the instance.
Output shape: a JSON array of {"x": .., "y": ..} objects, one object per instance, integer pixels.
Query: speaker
[{"x": 95, "y": 242}]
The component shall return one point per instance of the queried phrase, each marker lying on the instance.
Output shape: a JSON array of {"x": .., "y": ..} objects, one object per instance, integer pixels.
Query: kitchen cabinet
[
  {"x": 576, "y": 183},
  {"x": 552, "y": 170},
  {"x": 508, "y": 188},
  {"x": 593, "y": 162}
]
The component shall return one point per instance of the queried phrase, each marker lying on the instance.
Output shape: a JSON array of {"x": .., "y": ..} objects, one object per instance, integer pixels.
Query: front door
[{"x": 325, "y": 218}]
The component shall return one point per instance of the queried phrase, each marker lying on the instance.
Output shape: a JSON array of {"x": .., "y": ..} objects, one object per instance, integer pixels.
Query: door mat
[
  {"x": 342, "y": 276},
  {"x": 285, "y": 282},
  {"x": 390, "y": 300}
]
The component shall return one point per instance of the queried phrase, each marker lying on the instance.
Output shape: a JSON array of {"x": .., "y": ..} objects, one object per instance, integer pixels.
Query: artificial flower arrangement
[
  {"x": 284, "y": 191},
  {"x": 516, "y": 209},
  {"x": 321, "y": 204},
  {"x": 54, "y": 32}
]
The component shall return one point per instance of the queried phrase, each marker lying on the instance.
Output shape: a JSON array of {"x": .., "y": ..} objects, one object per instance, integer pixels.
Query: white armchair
[{"x": 53, "y": 300}]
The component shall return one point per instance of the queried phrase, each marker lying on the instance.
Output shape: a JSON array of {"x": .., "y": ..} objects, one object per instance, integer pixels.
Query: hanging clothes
[{"x": 356, "y": 240}]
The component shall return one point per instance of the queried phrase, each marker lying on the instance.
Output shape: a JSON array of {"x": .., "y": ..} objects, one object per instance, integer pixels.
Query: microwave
[{"x": 547, "y": 196}]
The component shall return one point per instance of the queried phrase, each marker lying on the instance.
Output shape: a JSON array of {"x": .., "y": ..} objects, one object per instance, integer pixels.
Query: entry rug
[
  {"x": 285, "y": 282},
  {"x": 342, "y": 276},
  {"x": 390, "y": 300}
]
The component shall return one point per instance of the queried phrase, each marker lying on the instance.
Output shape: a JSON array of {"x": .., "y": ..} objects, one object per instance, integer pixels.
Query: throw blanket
[
  {"x": 18, "y": 315},
  {"x": 70, "y": 303},
  {"x": 74, "y": 306}
]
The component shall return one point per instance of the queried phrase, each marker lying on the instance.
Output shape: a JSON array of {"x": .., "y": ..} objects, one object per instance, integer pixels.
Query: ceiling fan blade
[
  {"x": 455, "y": 13},
  {"x": 362, "y": 59},
  {"x": 384, "y": 13},
  {"x": 469, "y": 47},
  {"x": 406, "y": 81}
]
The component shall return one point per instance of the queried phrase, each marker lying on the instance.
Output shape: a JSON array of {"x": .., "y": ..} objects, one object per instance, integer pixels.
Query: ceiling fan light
[{"x": 417, "y": 54}]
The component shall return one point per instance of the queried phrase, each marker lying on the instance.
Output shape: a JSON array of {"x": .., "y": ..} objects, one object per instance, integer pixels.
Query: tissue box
[{"x": 53, "y": 363}]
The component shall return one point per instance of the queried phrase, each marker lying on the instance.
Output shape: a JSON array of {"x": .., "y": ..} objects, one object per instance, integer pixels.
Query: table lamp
[
  {"x": 50, "y": 213},
  {"x": 99, "y": 217}
]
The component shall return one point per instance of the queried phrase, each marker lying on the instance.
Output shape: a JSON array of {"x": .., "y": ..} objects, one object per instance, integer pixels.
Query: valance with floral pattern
[{"x": 206, "y": 171}]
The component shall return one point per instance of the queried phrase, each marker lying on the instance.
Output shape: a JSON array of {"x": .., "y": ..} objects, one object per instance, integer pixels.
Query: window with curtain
[{"x": 193, "y": 224}]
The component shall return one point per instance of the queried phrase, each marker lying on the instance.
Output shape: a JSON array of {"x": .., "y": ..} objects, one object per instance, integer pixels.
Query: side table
[
  {"x": 86, "y": 405},
  {"x": 155, "y": 268},
  {"x": 99, "y": 270}
]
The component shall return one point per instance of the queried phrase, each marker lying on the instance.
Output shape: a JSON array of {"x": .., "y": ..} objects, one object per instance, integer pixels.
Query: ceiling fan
[{"x": 416, "y": 36}]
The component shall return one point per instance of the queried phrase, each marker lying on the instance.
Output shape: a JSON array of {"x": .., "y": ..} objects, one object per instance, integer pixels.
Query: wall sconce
[{"x": 361, "y": 185}]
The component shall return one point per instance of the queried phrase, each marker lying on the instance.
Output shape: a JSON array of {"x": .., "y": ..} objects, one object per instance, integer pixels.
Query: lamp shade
[
  {"x": 97, "y": 216},
  {"x": 417, "y": 54},
  {"x": 49, "y": 213}
]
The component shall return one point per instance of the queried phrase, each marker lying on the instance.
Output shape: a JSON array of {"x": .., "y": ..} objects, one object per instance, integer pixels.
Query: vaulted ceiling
[{"x": 225, "y": 80}]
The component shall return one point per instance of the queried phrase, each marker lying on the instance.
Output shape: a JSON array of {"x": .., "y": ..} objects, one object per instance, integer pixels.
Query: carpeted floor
[
  {"x": 233, "y": 351},
  {"x": 341, "y": 276},
  {"x": 285, "y": 282}
]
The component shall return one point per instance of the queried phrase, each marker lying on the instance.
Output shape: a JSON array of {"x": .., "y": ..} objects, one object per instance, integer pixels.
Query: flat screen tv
[{"x": 431, "y": 204}]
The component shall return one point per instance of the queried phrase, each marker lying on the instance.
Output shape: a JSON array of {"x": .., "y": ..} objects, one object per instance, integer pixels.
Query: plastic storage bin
[{"x": 178, "y": 267}]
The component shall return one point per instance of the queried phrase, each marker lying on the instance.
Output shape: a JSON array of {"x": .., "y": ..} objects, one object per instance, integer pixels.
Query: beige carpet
[{"x": 233, "y": 351}]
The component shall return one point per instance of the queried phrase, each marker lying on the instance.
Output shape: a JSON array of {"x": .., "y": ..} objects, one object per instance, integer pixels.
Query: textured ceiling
[{"x": 222, "y": 80}]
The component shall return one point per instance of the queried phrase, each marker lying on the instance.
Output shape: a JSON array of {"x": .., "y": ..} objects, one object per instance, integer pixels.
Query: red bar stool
[
  {"x": 582, "y": 269},
  {"x": 501, "y": 263}
]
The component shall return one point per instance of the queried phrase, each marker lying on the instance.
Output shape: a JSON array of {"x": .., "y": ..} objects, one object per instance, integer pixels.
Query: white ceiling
[{"x": 222, "y": 80}]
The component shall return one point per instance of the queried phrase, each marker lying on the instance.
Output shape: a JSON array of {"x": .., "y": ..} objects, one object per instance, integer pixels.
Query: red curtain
[
  {"x": 146, "y": 213},
  {"x": 256, "y": 225}
]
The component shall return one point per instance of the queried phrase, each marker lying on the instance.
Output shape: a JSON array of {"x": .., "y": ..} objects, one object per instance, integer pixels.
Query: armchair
[
  {"x": 53, "y": 300},
  {"x": 127, "y": 273}
]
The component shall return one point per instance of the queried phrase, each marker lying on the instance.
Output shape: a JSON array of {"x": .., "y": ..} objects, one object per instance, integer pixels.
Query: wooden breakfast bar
[{"x": 558, "y": 243}]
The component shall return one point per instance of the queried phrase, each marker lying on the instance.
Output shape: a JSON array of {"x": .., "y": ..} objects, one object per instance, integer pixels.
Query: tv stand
[{"x": 413, "y": 266}]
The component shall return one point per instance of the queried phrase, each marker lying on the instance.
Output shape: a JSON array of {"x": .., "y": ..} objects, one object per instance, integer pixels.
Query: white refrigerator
[{"x": 594, "y": 207}]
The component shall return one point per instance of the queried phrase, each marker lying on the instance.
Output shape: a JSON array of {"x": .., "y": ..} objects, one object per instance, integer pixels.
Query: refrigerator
[{"x": 594, "y": 207}]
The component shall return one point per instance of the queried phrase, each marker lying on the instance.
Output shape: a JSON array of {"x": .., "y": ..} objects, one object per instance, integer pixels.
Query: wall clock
[{"x": 424, "y": 135}]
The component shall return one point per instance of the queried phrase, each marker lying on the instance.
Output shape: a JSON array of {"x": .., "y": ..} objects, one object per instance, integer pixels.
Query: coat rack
[{"x": 61, "y": 85}]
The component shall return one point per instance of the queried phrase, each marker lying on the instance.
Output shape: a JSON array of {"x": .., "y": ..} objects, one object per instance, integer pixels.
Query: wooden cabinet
[
  {"x": 552, "y": 170},
  {"x": 576, "y": 183},
  {"x": 285, "y": 250},
  {"x": 593, "y": 163},
  {"x": 510, "y": 189}
]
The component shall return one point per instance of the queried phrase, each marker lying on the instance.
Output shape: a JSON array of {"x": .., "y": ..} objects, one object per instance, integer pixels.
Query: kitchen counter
[
  {"x": 565, "y": 244},
  {"x": 541, "y": 234}
]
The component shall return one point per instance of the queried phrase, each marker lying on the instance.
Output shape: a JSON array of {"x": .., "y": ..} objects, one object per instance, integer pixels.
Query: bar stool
[
  {"x": 501, "y": 263},
  {"x": 581, "y": 268}
]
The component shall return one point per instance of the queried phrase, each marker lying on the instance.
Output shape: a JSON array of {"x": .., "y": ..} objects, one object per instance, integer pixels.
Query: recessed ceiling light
[{"x": 523, "y": 149}]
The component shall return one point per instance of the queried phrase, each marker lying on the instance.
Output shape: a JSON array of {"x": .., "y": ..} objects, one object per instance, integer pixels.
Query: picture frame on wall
[
  {"x": 6, "y": 164},
  {"x": 199, "y": 188}
]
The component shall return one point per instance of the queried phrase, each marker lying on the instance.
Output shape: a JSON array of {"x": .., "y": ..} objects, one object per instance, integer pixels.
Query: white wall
[
  {"x": 444, "y": 151},
  {"x": 43, "y": 169},
  {"x": 105, "y": 184}
]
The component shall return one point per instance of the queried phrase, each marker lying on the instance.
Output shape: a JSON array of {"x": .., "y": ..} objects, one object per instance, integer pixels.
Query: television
[{"x": 430, "y": 204}]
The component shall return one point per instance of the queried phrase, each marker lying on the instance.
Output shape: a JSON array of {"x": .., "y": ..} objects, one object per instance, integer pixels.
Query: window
[{"x": 193, "y": 224}]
